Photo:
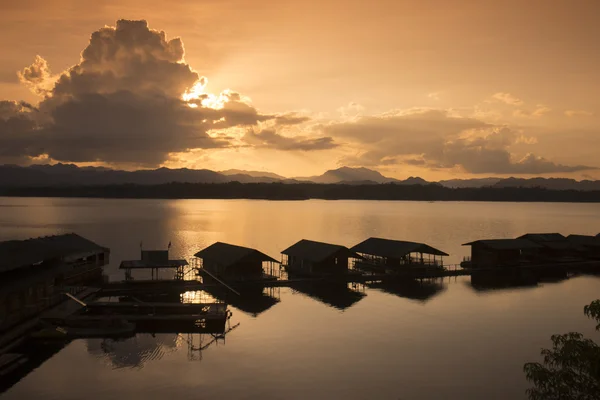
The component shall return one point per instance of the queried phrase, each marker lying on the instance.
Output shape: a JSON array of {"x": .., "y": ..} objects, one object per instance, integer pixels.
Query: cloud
[
  {"x": 439, "y": 140},
  {"x": 578, "y": 113},
  {"x": 290, "y": 119},
  {"x": 350, "y": 110},
  {"x": 434, "y": 96},
  {"x": 37, "y": 76},
  {"x": 124, "y": 103},
  {"x": 479, "y": 157},
  {"x": 538, "y": 112},
  {"x": 269, "y": 138},
  {"x": 507, "y": 98}
]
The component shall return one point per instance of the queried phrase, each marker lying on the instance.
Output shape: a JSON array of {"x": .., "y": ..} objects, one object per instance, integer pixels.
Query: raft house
[
  {"x": 397, "y": 257},
  {"x": 494, "y": 253},
  {"x": 157, "y": 261},
  {"x": 34, "y": 273},
  {"x": 539, "y": 250},
  {"x": 309, "y": 258},
  {"x": 586, "y": 246},
  {"x": 230, "y": 263}
]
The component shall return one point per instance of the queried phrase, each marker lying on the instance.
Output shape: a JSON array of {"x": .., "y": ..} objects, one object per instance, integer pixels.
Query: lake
[{"x": 444, "y": 340}]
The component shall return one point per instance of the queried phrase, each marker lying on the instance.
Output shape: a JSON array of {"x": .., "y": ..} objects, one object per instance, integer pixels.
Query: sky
[{"x": 436, "y": 89}]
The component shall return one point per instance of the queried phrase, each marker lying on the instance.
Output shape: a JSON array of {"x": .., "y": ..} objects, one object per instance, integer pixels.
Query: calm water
[{"x": 450, "y": 341}]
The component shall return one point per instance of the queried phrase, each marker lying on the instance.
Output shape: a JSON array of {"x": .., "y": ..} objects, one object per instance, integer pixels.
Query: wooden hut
[
  {"x": 159, "y": 265},
  {"x": 586, "y": 246},
  {"x": 310, "y": 258},
  {"x": 501, "y": 253},
  {"x": 554, "y": 247},
  {"x": 232, "y": 263},
  {"x": 397, "y": 256},
  {"x": 35, "y": 272}
]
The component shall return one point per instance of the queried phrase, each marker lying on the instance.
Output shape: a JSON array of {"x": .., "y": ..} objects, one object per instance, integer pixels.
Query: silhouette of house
[
  {"x": 586, "y": 246},
  {"x": 554, "y": 246},
  {"x": 33, "y": 273},
  {"x": 502, "y": 252},
  {"x": 155, "y": 261},
  {"x": 385, "y": 255},
  {"x": 308, "y": 257},
  {"x": 235, "y": 263}
]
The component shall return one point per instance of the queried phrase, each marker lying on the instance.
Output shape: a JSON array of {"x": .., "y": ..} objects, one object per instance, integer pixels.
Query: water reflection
[
  {"x": 482, "y": 281},
  {"x": 340, "y": 295},
  {"x": 326, "y": 357},
  {"x": 252, "y": 300},
  {"x": 34, "y": 357},
  {"x": 422, "y": 291},
  {"x": 133, "y": 352}
]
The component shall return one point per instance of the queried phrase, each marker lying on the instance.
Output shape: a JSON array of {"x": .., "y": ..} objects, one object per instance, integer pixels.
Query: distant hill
[
  {"x": 347, "y": 174},
  {"x": 470, "y": 183},
  {"x": 72, "y": 175},
  {"x": 254, "y": 174},
  {"x": 549, "y": 183}
]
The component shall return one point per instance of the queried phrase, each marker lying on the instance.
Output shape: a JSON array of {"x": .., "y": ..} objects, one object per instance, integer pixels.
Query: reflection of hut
[
  {"x": 385, "y": 255},
  {"x": 35, "y": 356},
  {"x": 554, "y": 246},
  {"x": 156, "y": 261},
  {"x": 311, "y": 258},
  {"x": 251, "y": 300},
  {"x": 32, "y": 272},
  {"x": 586, "y": 246},
  {"x": 411, "y": 289},
  {"x": 503, "y": 279},
  {"x": 235, "y": 263},
  {"x": 134, "y": 352},
  {"x": 501, "y": 252},
  {"x": 335, "y": 294}
]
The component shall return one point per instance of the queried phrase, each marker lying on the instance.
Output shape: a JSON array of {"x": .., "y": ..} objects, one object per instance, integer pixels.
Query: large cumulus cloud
[
  {"x": 439, "y": 140},
  {"x": 132, "y": 98}
]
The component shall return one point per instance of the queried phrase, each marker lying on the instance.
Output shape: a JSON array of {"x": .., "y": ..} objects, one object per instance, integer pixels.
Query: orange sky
[{"x": 431, "y": 88}]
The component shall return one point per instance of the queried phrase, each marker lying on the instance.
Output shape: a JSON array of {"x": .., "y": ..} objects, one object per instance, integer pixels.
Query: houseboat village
[{"x": 52, "y": 288}]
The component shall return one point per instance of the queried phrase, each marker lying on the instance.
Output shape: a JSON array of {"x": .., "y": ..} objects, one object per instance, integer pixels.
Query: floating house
[
  {"x": 310, "y": 258},
  {"x": 157, "y": 262},
  {"x": 554, "y": 246},
  {"x": 35, "y": 272},
  {"x": 397, "y": 256},
  {"x": 586, "y": 246},
  {"x": 501, "y": 253},
  {"x": 232, "y": 263}
]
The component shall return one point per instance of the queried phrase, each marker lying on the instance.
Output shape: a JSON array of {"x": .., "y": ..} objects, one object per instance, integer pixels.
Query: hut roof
[
  {"x": 228, "y": 254},
  {"x": 316, "y": 251},
  {"x": 506, "y": 244},
  {"x": 543, "y": 237},
  {"x": 584, "y": 240},
  {"x": 394, "y": 248},
  {"x": 15, "y": 254},
  {"x": 549, "y": 240}
]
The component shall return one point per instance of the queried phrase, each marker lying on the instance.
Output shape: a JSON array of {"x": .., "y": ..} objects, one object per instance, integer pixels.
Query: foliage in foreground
[{"x": 571, "y": 368}]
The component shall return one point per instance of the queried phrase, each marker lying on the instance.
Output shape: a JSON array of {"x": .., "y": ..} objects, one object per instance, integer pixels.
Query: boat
[{"x": 87, "y": 329}]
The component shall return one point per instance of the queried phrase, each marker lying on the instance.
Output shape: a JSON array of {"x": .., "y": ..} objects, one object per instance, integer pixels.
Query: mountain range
[{"x": 72, "y": 175}]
